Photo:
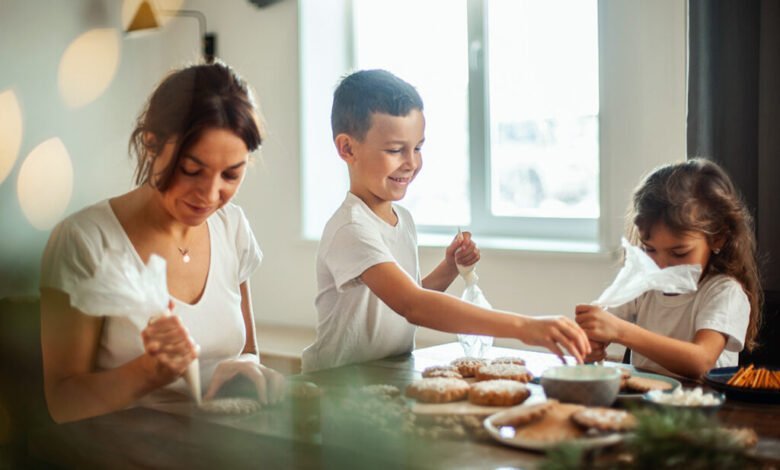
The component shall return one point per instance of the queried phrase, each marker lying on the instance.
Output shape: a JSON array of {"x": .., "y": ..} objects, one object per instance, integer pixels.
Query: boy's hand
[
  {"x": 599, "y": 324},
  {"x": 556, "y": 332},
  {"x": 462, "y": 251}
]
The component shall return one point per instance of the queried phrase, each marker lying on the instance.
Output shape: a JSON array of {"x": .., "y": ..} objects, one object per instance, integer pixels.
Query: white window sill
[{"x": 540, "y": 246}]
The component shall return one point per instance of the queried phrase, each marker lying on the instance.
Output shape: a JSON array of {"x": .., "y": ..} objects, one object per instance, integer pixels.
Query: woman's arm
[
  {"x": 444, "y": 312},
  {"x": 74, "y": 389},
  {"x": 688, "y": 358}
]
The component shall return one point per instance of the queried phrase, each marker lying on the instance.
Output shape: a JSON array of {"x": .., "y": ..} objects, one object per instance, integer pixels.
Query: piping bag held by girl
[{"x": 119, "y": 288}]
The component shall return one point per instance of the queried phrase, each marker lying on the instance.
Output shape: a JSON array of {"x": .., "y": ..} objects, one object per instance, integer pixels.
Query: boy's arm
[
  {"x": 444, "y": 312},
  {"x": 688, "y": 358},
  {"x": 441, "y": 277}
]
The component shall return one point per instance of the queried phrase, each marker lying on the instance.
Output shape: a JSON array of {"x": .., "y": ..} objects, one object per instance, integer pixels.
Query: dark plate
[{"x": 717, "y": 378}]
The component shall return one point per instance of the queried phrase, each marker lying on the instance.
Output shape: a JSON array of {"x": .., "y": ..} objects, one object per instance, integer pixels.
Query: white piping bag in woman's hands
[
  {"x": 119, "y": 289},
  {"x": 640, "y": 274},
  {"x": 473, "y": 345}
]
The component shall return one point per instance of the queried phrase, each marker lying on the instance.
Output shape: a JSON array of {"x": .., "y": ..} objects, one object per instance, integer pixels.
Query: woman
[{"x": 192, "y": 145}]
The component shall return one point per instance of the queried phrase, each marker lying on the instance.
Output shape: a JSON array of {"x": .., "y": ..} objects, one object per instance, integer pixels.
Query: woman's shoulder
[{"x": 90, "y": 220}]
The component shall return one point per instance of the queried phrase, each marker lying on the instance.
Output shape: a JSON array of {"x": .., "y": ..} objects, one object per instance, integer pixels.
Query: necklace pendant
[{"x": 186, "y": 258}]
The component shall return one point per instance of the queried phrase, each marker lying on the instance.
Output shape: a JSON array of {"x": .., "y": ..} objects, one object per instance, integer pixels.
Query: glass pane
[
  {"x": 425, "y": 43},
  {"x": 544, "y": 105}
]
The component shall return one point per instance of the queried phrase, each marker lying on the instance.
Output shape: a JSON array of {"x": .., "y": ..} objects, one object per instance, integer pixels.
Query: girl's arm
[
  {"x": 461, "y": 251},
  {"x": 69, "y": 341},
  {"x": 444, "y": 312},
  {"x": 688, "y": 358}
]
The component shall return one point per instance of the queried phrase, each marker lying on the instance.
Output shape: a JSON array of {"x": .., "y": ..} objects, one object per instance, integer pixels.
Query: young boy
[{"x": 370, "y": 292}]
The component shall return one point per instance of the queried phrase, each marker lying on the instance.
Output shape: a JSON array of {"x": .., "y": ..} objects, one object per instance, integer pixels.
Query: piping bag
[
  {"x": 473, "y": 345},
  {"x": 119, "y": 289},
  {"x": 640, "y": 274}
]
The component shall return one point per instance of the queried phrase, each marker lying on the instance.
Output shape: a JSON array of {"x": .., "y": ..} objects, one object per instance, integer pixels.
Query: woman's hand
[
  {"x": 462, "y": 251},
  {"x": 556, "y": 332},
  {"x": 599, "y": 324},
  {"x": 268, "y": 382},
  {"x": 168, "y": 345}
]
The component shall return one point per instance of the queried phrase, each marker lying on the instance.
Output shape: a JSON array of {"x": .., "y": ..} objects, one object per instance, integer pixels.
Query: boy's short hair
[{"x": 370, "y": 91}]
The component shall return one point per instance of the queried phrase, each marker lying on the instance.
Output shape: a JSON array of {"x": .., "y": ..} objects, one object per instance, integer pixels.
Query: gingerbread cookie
[
  {"x": 498, "y": 393},
  {"x": 644, "y": 385},
  {"x": 509, "y": 360},
  {"x": 521, "y": 415},
  {"x": 230, "y": 406},
  {"x": 380, "y": 391},
  {"x": 504, "y": 371},
  {"x": 467, "y": 366},
  {"x": 438, "y": 390},
  {"x": 442, "y": 371},
  {"x": 555, "y": 426},
  {"x": 604, "y": 419}
]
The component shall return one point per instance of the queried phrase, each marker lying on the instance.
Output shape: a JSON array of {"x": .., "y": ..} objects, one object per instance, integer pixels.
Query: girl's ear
[
  {"x": 717, "y": 243},
  {"x": 344, "y": 146}
]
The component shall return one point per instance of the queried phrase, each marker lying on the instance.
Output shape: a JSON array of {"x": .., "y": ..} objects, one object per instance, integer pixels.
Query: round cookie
[
  {"x": 644, "y": 385},
  {"x": 604, "y": 419},
  {"x": 503, "y": 371},
  {"x": 555, "y": 426},
  {"x": 509, "y": 360},
  {"x": 467, "y": 366},
  {"x": 522, "y": 415},
  {"x": 442, "y": 371},
  {"x": 438, "y": 390},
  {"x": 230, "y": 406},
  {"x": 498, "y": 393}
]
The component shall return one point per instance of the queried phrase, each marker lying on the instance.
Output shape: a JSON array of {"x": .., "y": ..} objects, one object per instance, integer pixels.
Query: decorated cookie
[
  {"x": 467, "y": 366},
  {"x": 522, "y": 415},
  {"x": 442, "y": 371},
  {"x": 498, "y": 393},
  {"x": 438, "y": 390},
  {"x": 604, "y": 419},
  {"x": 504, "y": 371},
  {"x": 509, "y": 360}
]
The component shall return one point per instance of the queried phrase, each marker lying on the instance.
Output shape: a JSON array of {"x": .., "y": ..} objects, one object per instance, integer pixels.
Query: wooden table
[{"x": 176, "y": 438}]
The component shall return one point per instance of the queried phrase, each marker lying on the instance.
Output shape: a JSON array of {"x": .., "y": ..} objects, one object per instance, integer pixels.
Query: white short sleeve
[
  {"x": 628, "y": 311},
  {"x": 69, "y": 258},
  {"x": 353, "y": 249},
  {"x": 724, "y": 308},
  {"x": 249, "y": 254}
]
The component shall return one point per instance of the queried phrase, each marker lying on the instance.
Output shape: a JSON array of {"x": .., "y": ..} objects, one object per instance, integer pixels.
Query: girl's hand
[
  {"x": 598, "y": 351},
  {"x": 599, "y": 324},
  {"x": 170, "y": 348},
  {"x": 268, "y": 383},
  {"x": 556, "y": 332},
  {"x": 462, "y": 251}
]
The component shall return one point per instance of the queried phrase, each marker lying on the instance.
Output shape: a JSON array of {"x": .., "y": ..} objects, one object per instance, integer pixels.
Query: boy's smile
[{"x": 385, "y": 161}]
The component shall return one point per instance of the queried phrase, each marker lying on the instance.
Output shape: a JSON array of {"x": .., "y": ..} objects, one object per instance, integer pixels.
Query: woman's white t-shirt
[
  {"x": 354, "y": 324},
  {"x": 215, "y": 321},
  {"x": 719, "y": 304}
]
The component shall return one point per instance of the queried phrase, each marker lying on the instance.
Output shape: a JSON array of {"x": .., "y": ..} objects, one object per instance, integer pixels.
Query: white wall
[{"x": 643, "y": 123}]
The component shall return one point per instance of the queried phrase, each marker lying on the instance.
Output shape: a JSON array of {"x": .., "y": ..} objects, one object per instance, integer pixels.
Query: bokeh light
[
  {"x": 45, "y": 184},
  {"x": 88, "y": 66},
  {"x": 10, "y": 132},
  {"x": 160, "y": 7}
]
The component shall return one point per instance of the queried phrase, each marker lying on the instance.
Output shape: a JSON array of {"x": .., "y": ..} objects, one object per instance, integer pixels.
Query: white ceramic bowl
[{"x": 586, "y": 384}]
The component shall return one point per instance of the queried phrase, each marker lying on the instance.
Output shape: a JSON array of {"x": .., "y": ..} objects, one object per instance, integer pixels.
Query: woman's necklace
[{"x": 185, "y": 254}]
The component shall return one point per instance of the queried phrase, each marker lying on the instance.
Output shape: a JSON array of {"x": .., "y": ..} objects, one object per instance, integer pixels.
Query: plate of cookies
[
  {"x": 472, "y": 386},
  {"x": 541, "y": 426},
  {"x": 635, "y": 384}
]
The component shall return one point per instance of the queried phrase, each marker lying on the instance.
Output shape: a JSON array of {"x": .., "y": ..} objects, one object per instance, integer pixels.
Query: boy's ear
[{"x": 344, "y": 146}]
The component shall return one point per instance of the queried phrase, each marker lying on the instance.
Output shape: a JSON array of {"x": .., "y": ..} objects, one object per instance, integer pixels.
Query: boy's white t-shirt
[
  {"x": 354, "y": 325},
  {"x": 719, "y": 304},
  {"x": 215, "y": 321}
]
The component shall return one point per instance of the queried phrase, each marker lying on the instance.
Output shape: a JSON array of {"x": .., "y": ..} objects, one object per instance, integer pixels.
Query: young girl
[{"x": 687, "y": 213}]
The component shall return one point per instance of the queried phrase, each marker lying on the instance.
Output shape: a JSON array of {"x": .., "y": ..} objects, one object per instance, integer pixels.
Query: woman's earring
[{"x": 716, "y": 250}]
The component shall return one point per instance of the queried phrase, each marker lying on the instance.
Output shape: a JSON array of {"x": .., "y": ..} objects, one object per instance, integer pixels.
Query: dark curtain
[{"x": 734, "y": 119}]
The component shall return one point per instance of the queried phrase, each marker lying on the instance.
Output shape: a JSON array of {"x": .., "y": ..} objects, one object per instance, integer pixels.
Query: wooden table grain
[{"x": 175, "y": 436}]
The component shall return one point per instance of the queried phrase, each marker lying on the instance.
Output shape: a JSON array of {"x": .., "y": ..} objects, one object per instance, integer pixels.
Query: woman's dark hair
[
  {"x": 697, "y": 195},
  {"x": 187, "y": 103}
]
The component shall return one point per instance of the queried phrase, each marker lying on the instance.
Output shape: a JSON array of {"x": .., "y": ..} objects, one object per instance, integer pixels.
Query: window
[{"x": 511, "y": 93}]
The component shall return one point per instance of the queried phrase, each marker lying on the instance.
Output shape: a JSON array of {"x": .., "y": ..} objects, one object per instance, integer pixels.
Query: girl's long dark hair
[{"x": 698, "y": 195}]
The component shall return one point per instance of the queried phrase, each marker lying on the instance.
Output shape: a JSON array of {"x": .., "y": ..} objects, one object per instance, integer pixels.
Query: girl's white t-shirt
[
  {"x": 719, "y": 304},
  {"x": 215, "y": 321},
  {"x": 354, "y": 324}
]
